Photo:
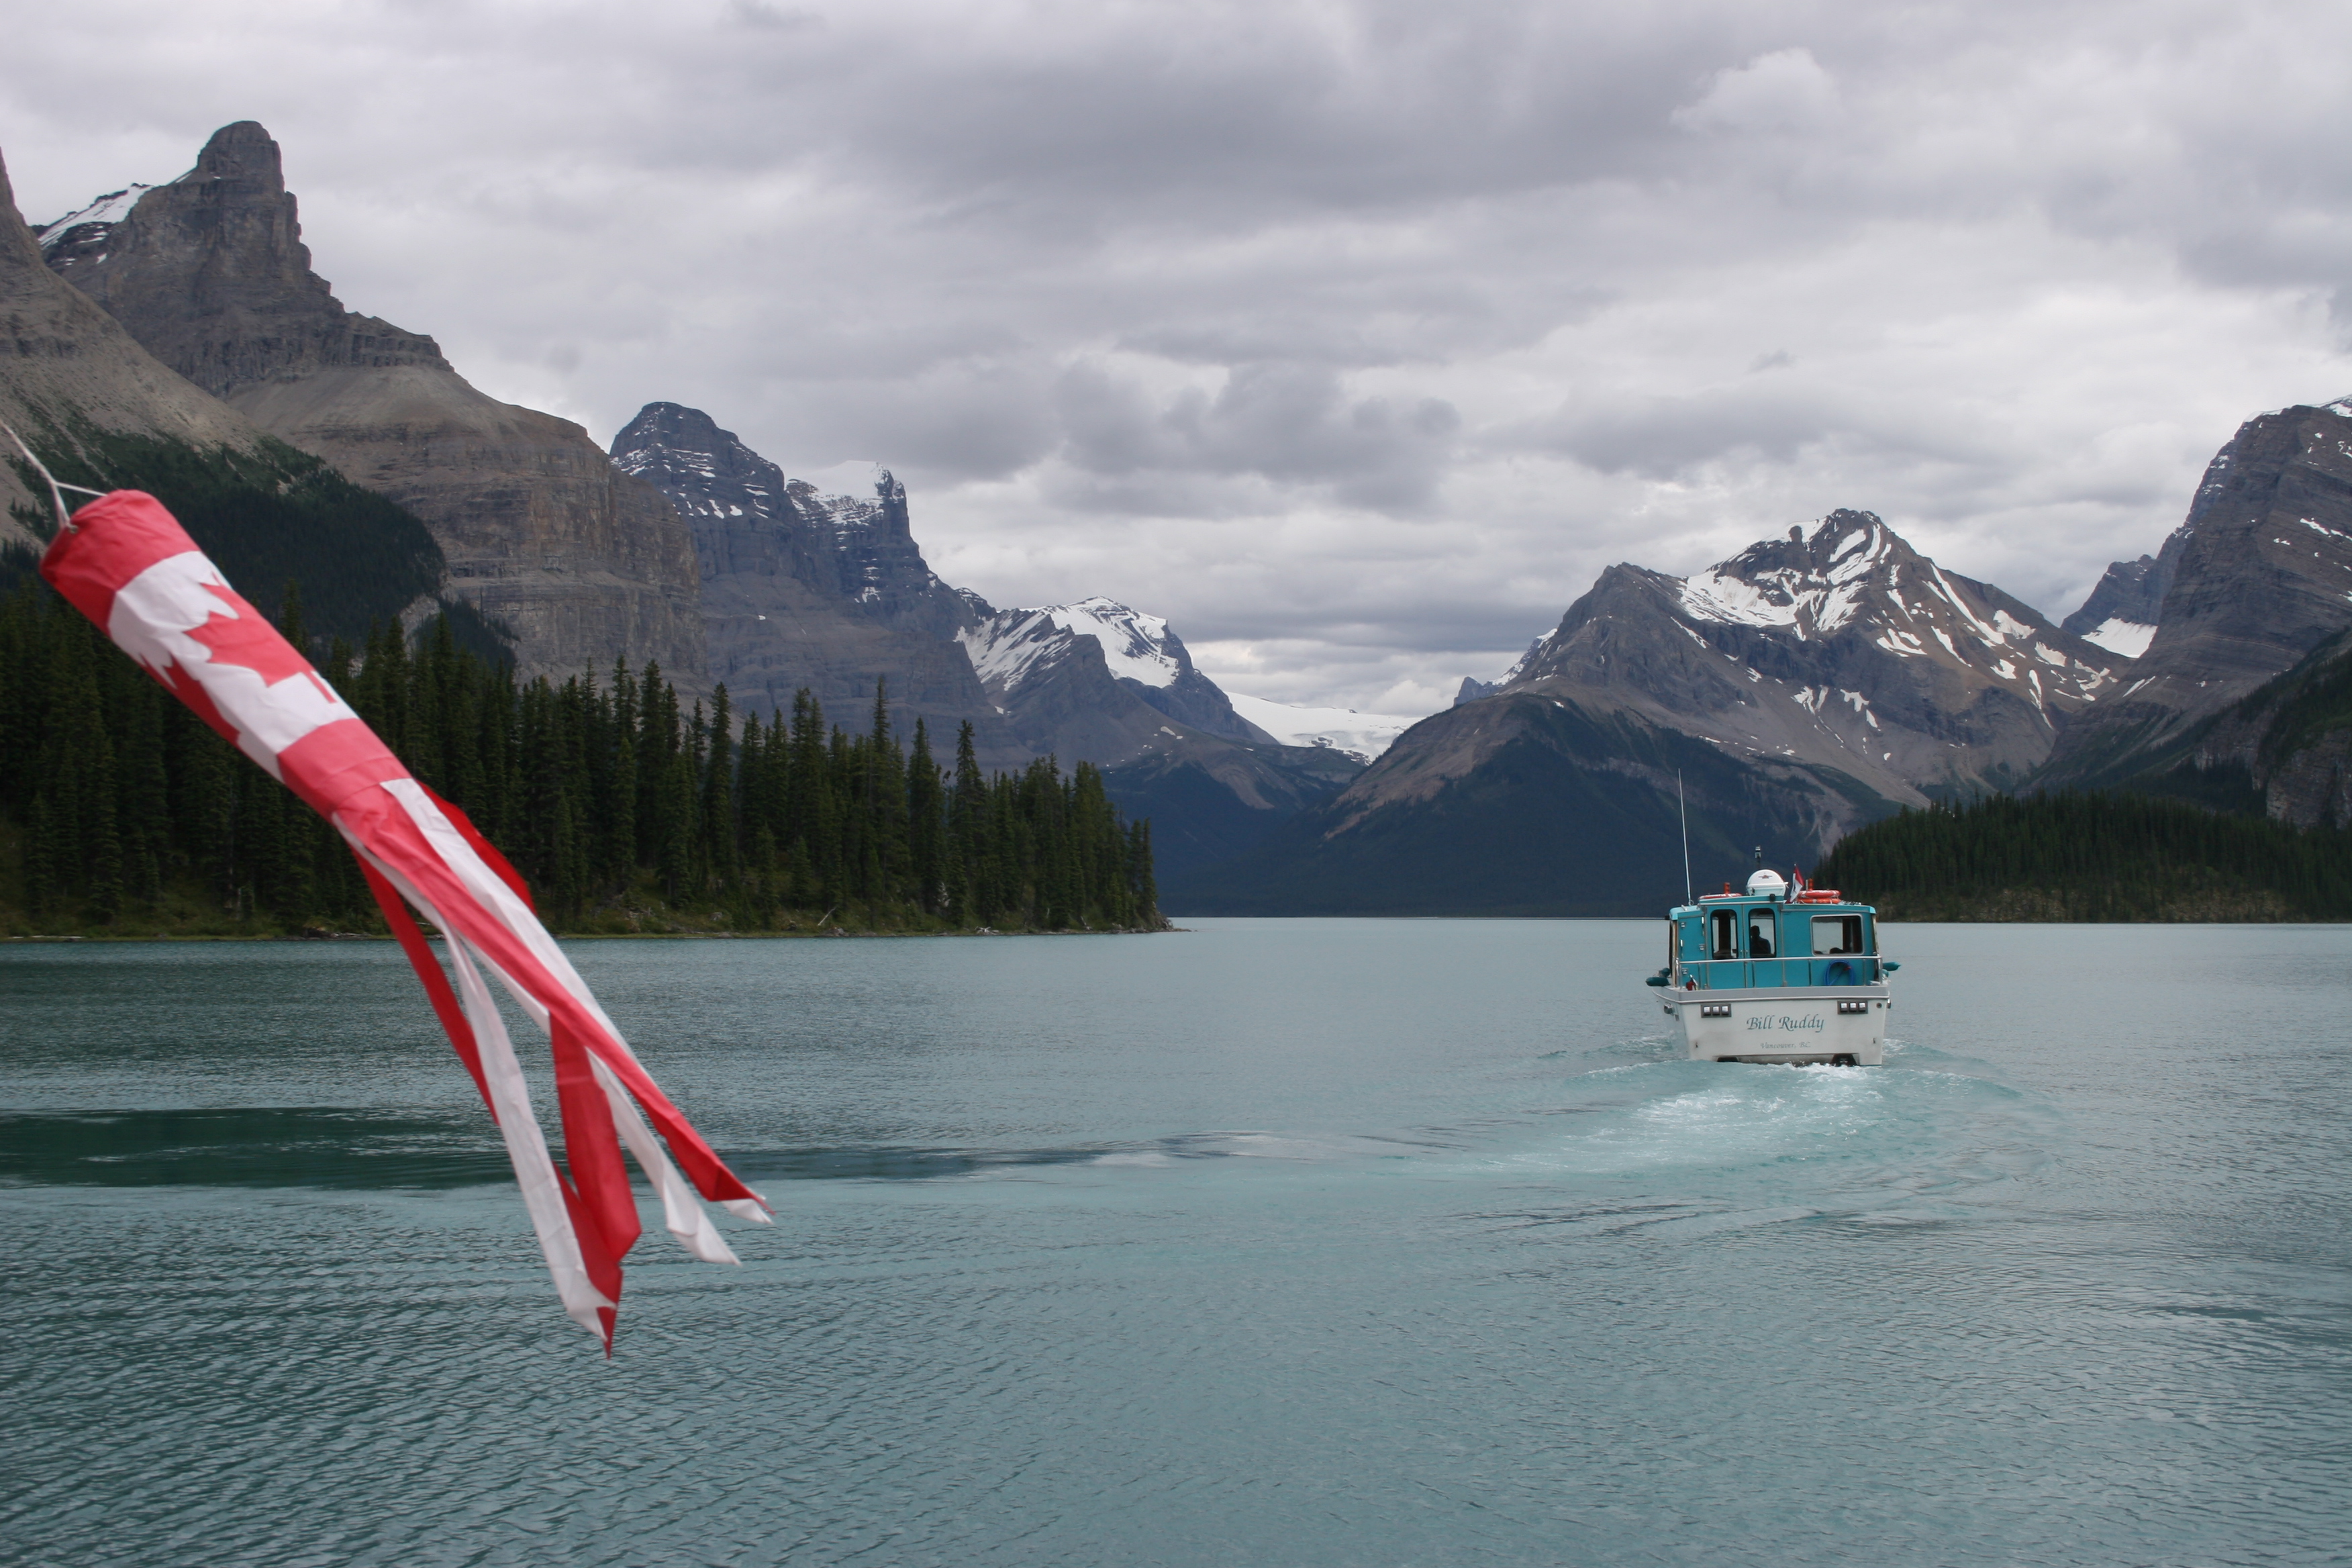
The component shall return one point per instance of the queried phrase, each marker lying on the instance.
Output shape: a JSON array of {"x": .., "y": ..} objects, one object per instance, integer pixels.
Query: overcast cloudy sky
[{"x": 1355, "y": 338}]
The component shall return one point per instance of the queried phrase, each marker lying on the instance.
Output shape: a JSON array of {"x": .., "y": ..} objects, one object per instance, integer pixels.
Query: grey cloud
[
  {"x": 1282, "y": 423},
  {"x": 758, "y": 15},
  {"x": 1374, "y": 326},
  {"x": 1668, "y": 436},
  {"x": 1662, "y": 438},
  {"x": 1786, "y": 89},
  {"x": 1237, "y": 107}
]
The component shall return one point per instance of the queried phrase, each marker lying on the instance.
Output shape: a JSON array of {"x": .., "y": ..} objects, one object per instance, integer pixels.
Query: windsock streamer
[{"x": 124, "y": 562}]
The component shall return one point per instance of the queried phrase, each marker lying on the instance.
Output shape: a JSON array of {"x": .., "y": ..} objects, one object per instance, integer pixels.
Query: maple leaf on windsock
[
  {"x": 244, "y": 638},
  {"x": 124, "y": 562}
]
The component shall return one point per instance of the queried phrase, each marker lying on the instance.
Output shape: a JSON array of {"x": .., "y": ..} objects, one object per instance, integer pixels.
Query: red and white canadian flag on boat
[{"x": 124, "y": 562}]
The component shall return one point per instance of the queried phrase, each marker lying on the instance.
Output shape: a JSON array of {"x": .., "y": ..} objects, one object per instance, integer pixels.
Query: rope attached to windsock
[{"x": 124, "y": 562}]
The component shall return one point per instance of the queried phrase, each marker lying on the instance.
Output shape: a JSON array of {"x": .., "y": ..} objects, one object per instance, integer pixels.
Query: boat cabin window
[
  {"x": 1837, "y": 933},
  {"x": 1760, "y": 934},
  {"x": 1727, "y": 934}
]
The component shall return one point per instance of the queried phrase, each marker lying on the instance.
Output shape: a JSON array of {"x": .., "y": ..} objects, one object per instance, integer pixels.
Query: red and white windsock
[{"x": 126, "y": 563}]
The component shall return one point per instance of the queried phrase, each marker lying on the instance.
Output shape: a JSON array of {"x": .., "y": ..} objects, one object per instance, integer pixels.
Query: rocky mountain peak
[
  {"x": 1019, "y": 652},
  {"x": 748, "y": 517},
  {"x": 1013, "y": 644},
  {"x": 1811, "y": 585},
  {"x": 1842, "y": 646},
  {"x": 2260, "y": 574},
  {"x": 879, "y": 519},
  {"x": 1854, "y": 574},
  {"x": 210, "y": 274},
  {"x": 244, "y": 153},
  {"x": 802, "y": 588},
  {"x": 704, "y": 471}
]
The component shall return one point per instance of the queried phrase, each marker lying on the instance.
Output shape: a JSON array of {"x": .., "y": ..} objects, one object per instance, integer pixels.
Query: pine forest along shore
[
  {"x": 2092, "y": 857},
  {"x": 123, "y": 815}
]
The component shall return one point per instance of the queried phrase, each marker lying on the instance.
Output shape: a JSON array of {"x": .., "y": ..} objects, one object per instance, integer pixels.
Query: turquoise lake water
[{"x": 1316, "y": 1243}]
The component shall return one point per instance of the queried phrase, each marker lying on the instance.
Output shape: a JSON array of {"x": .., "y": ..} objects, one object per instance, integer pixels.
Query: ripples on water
[{"x": 1313, "y": 1243}]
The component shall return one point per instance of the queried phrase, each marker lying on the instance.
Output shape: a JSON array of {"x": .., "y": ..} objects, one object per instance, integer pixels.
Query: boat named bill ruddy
[{"x": 1777, "y": 974}]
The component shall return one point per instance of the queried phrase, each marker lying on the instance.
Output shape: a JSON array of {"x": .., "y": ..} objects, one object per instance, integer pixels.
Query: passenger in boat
[{"x": 1760, "y": 934}]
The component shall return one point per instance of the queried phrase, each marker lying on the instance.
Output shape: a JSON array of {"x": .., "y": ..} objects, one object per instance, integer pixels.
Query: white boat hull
[{"x": 1792, "y": 1025}]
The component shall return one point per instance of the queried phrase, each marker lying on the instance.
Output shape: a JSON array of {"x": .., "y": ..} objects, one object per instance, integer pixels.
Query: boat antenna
[
  {"x": 1683, "y": 805},
  {"x": 57, "y": 490}
]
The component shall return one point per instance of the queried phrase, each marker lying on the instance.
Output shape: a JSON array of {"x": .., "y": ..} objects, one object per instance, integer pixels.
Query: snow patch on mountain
[
  {"x": 1013, "y": 644},
  {"x": 1854, "y": 571},
  {"x": 1134, "y": 644},
  {"x": 109, "y": 209},
  {"x": 1362, "y": 736},
  {"x": 1745, "y": 592},
  {"x": 2129, "y": 638},
  {"x": 1008, "y": 648}
]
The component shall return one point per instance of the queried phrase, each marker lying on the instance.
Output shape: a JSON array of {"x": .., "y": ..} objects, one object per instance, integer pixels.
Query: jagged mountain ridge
[
  {"x": 1800, "y": 688},
  {"x": 1020, "y": 655},
  {"x": 238, "y": 304},
  {"x": 1845, "y": 649},
  {"x": 802, "y": 589},
  {"x": 1472, "y": 687},
  {"x": 2261, "y": 574},
  {"x": 209, "y": 273},
  {"x": 750, "y": 518}
]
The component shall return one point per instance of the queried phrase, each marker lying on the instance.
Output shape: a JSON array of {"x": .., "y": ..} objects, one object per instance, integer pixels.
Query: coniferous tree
[
  {"x": 969, "y": 837},
  {"x": 716, "y": 811},
  {"x": 925, "y": 830}
]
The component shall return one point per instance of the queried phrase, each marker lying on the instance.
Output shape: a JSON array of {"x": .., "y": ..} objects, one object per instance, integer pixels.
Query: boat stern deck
[{"x": 1840, "y": 1025}]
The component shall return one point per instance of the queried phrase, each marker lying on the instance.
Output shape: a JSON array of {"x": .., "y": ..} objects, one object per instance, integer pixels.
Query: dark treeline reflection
[{"x": 624, "y": 811}]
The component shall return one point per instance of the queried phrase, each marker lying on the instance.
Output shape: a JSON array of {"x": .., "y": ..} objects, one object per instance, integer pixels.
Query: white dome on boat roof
[{"x": 1767, "y": 882}]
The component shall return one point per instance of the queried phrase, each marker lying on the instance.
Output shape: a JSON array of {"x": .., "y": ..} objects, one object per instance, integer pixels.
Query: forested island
[
  {"x": 2092, "y": 857},
  {"x": 121, "y": 814}
]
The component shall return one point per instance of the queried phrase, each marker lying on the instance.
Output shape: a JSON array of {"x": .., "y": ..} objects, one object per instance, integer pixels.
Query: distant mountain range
[
  {"x": 176, "y": 337},
  {"x": 800, "y": 589},
  {"x": 190, "y": 309},
  {"x": 1811, "y": 684}
]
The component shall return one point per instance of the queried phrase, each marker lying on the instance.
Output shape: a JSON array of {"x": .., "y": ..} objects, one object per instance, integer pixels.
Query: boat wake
[{"x": 1710, "y": 1146}]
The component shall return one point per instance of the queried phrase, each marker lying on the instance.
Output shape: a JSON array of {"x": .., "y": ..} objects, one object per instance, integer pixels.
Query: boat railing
[{"x": 1753, "y": 973}]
